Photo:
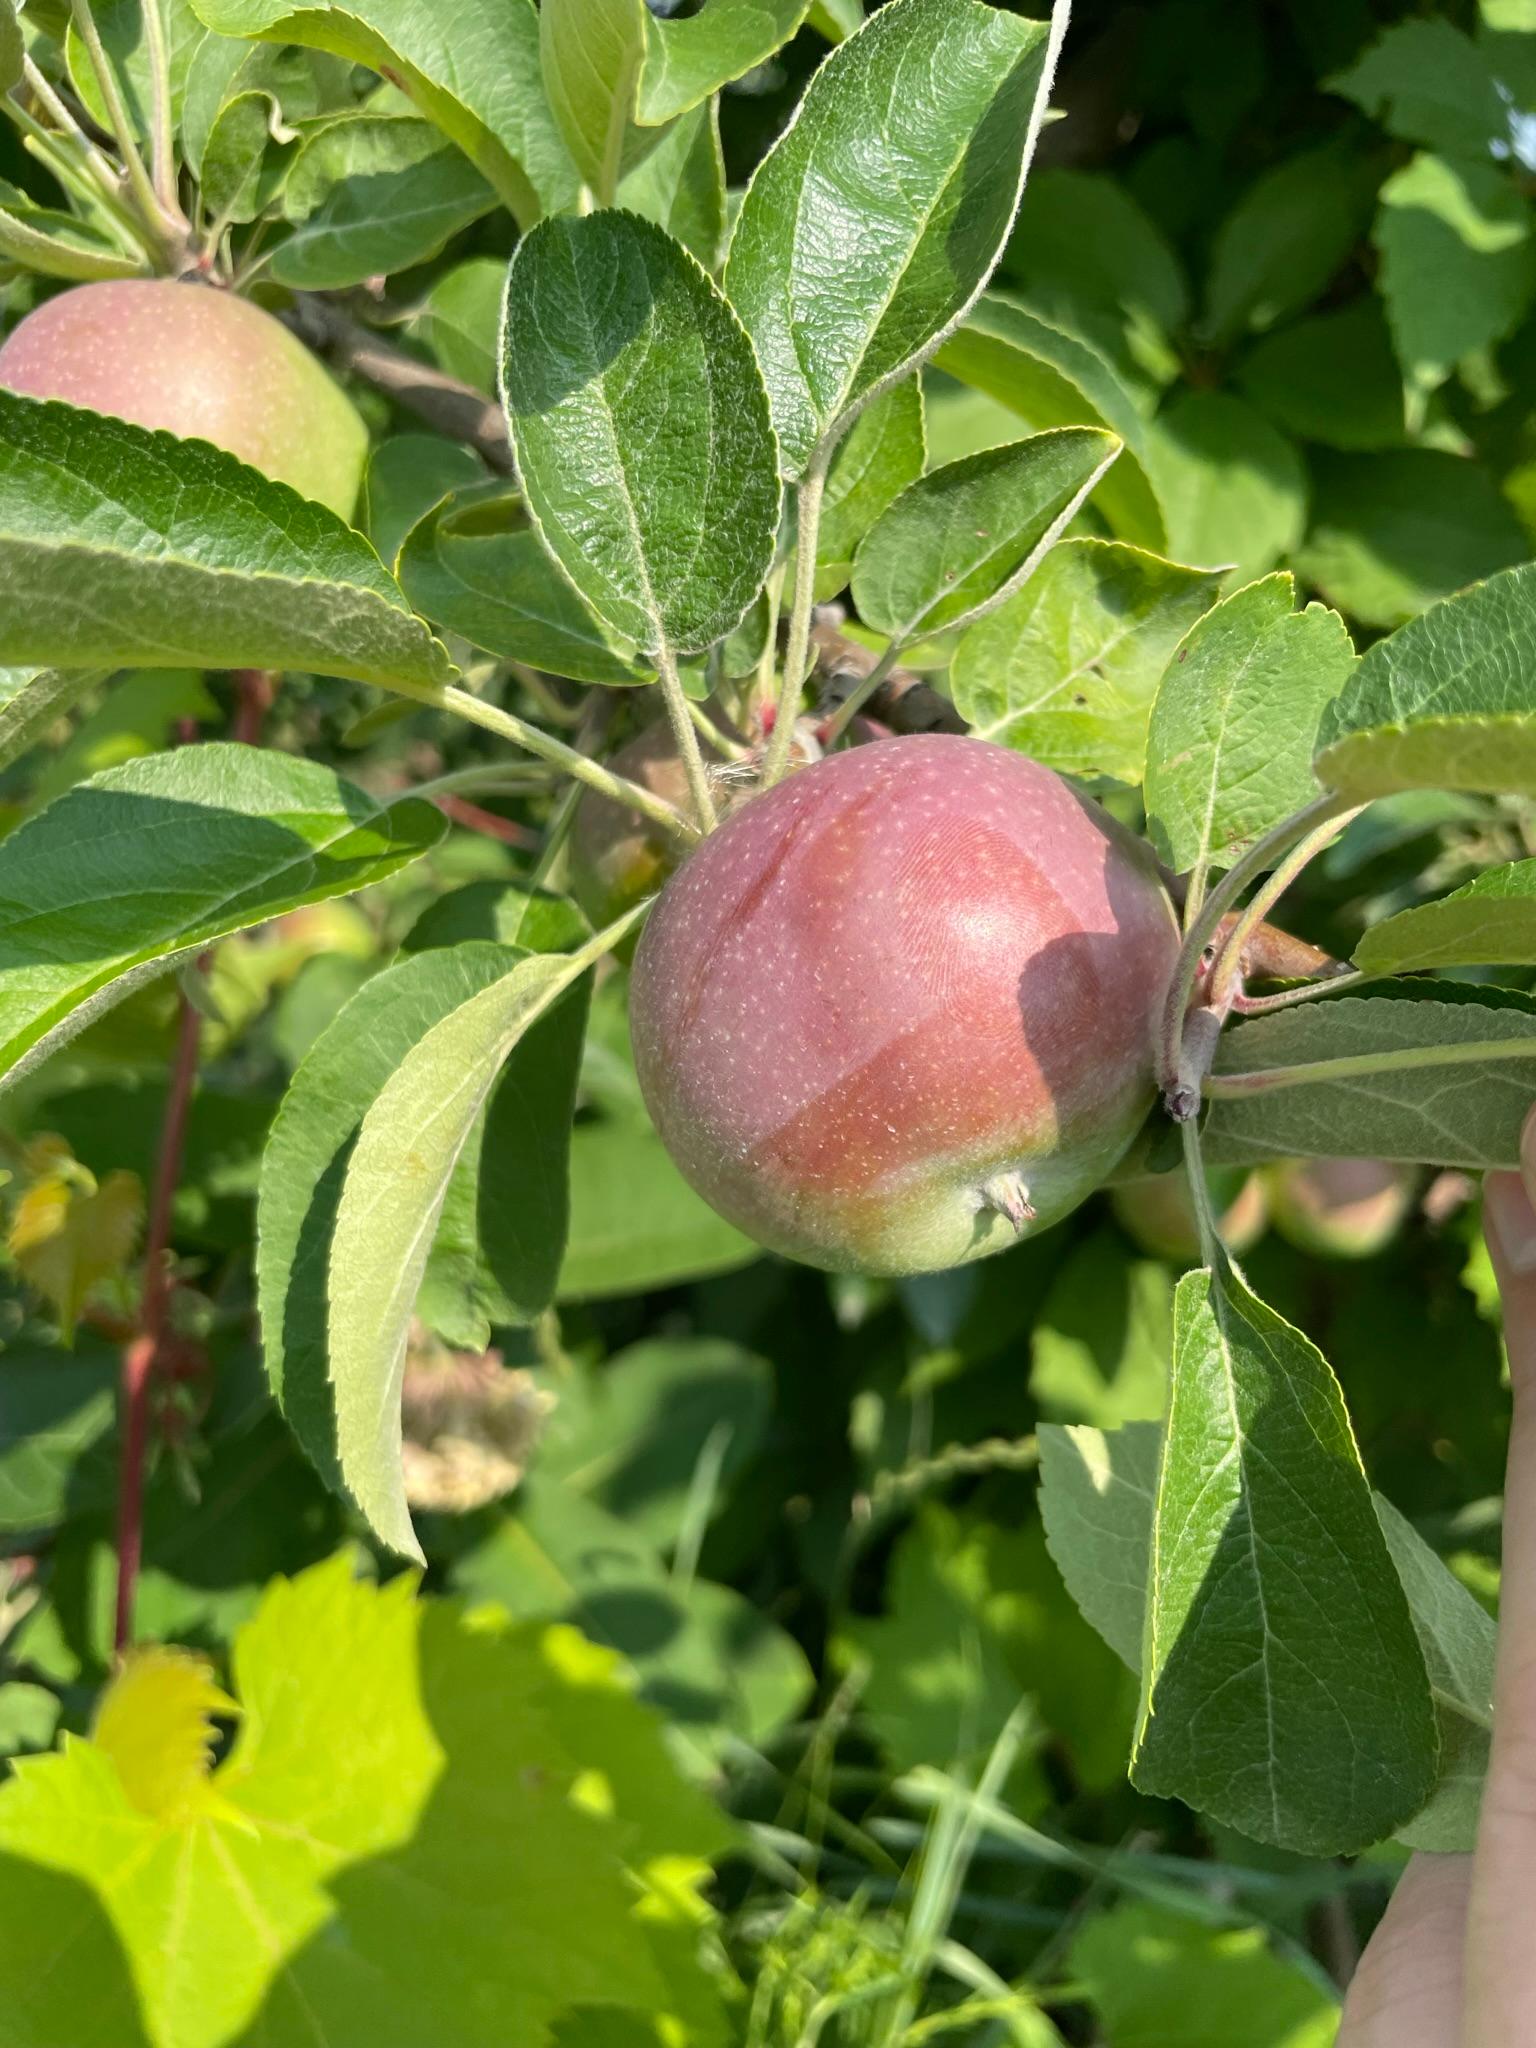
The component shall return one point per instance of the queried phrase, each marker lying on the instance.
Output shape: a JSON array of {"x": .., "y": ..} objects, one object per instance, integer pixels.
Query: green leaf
[
  {"x": 58, "y": 1436},
  {"x": 476, "y": 74},
  {"x": 120, "y": 547},
  {"x": 631, "y": 1433},
  {"x": 1491, "y": 921},
  {"x": 370, "y": 194},
  {"x": 1278, "y": 1639},
  {"x": 874, "y": 221},
  {"x": 234, "y": 155},
  {"x": 1049, "y": 376},
  {"x": 32, "y": 700},
  {"x": 12, "y": 48},
  {"x": 1430, "y": 83},
  {"x": 877, "y": 458},
  {"x": 1232, "y": 488},
  {"x": 407, "y": 476},
  {"x": 959, "y": 536},
  {"x": 680, "y": 184},
  {"x": 461, "y": 318},
  {"x": 1153, "y": 1974},
  {"x": 397, "y": 1178},
  {"x": 690, "y": 56},
  {"x": 939, "y": 1687},
  {"x": 590, "y": 54},
  {"x": 1391, "y": 533},
  {"x": 641, "y": 429},
  {"x": 463, "y": 1801},
  {"x": 1234, "y": 723},
  {"x": 721, "y": 1671},
  {"x": 1458, "y": 266},
  {"x": 473, "y": 571},
  {"x": 1445, "y": 703},
  {"x": 138, "y": 868},
  {"x": 1098, "y": 1492},
  {"x": 56, "y": 244},
  {"x": 337, "y": 1083},
  {"x": 635, "y": 1222},
  {"x": 1100, "y": 1344},
  {"x": 1066, "y": 670},
  {"x": 1285, "y": 238},
  {"x": 1456, "y": 1636},
  {"x": 1083, "y": 235},
  {"x": 1464, "y": 1079},
  {"x": 298, "y": 85},
  {"x": 1332, "y": 378},
  {"x": 121, "y": 27}
]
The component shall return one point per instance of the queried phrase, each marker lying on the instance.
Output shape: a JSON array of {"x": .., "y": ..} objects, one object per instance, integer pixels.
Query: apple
[
  {"x": 199, "y": 362},
  {"x": 1157, "y": 1215},
  {"x": 1340, "y": 1208},
  {"x": 901, "y": 1008}
]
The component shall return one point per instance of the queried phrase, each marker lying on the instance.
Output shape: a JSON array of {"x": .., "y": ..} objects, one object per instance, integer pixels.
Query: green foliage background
[{"x": 875, "y": 1789}]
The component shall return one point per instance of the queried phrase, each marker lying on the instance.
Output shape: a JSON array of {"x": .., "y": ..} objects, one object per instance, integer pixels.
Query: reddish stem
[
  {"x": 142, "y": 1355},
  {"x": 463, "y": 812},
  {"x": 255, "y": 689}
]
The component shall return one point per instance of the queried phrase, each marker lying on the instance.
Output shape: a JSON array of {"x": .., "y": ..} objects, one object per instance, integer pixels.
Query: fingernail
[{"x": 1510, "y": 1219}]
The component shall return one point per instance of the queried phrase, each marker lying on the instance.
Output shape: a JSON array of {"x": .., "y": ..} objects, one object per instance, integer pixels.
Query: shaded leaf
[
  {"x": 680, "y": 183},
  {"x": 635, "y": 1222},
  {"x": 407, "y": 475},
  {"x": 397, "y": 1177},
  {"x": 32, "y": 700},
  {"x": 472, "y": 569},
  {"x": 1153, "y": 1974},
  {"x": 1285, "y": 238},
  {"x": 55, "y": 243},
  {"x": 1392, "y": 532},
  {"x": 1232, "y": 488},
  {"x": 689, "y": 56},
  {"x": 1458, "y": 267},
  {"x": 1429, "y": 83},
  {"x": 1098, "y": 1492},
  {"x": 1457, "y": 1638},
  {"x": 877, "y": 458},
  {"x": 58, "y": 1435},
  {"x": 1100, "y": 1344},
  {"x": 1331, "y": 378}
]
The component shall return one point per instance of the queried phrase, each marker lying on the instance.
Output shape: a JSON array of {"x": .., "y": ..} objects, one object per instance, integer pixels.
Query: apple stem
[{"x": 797, "y": 651}]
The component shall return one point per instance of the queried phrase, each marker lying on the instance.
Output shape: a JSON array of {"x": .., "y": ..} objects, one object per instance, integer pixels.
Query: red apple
[
  {"x": 901, "y": 1008},
  {"x": 198, "y": 362}
]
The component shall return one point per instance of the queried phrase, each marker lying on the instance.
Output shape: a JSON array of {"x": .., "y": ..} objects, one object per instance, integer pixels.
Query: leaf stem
[
  {"x": 775, "y": 594},
  {"x": 1351, "y": 1066},
  {"x": 860, "y": 695},
  {"x": 797, "y": 650},
  {"x": 1260, "y": 1006},
  {"x": 155, "y": 219},
  {"x": 79, "y": 173},
  {"x": 445, "y": 697},
  {"x": 1181, "y": 1090},
  {"x": 162, "y": 137},
  {"x": 56, "y": 107},
  {"x": 1211, "y": 1248},
  {"x": 687, "y": 740}
]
